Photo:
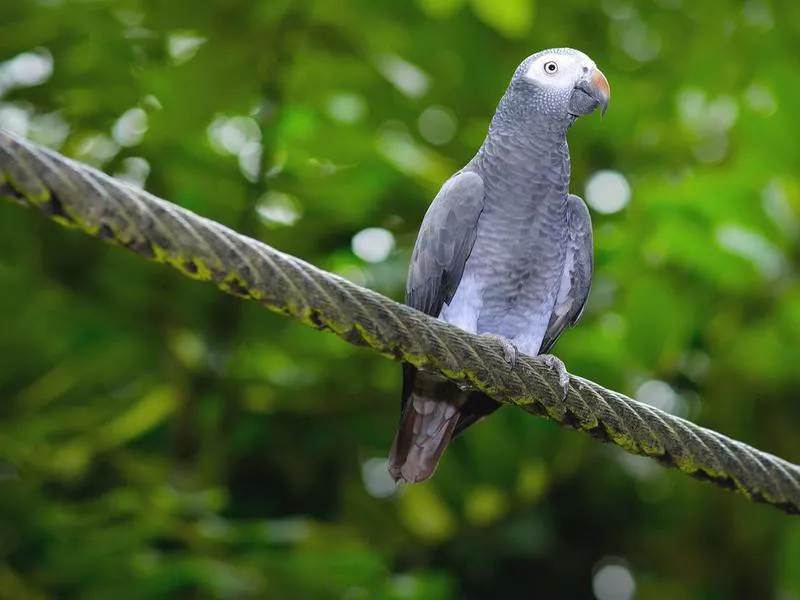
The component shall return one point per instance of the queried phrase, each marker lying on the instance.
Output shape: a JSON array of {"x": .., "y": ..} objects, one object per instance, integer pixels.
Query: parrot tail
[{"x": 429, "y": 419}]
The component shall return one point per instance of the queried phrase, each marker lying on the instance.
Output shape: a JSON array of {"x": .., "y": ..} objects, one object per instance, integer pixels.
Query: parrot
[{"x": 504, "y": 250}]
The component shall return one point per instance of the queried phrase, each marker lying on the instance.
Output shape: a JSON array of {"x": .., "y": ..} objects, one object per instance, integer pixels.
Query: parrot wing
[
  {"x": 444, "y": 243},
  {"x": 431, "y": 408},
  {"x": 576, "y": 279}
]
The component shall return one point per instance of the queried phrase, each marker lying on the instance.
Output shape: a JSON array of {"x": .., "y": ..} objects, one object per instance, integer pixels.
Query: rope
[{"x": 75, "y": 195}]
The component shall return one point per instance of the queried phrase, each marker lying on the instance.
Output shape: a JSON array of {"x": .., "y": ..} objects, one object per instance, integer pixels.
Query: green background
[{"x": 163, "y": 440}]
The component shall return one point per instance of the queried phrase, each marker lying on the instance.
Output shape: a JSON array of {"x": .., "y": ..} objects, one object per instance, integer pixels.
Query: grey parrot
[{"x": 504, "y": 249}]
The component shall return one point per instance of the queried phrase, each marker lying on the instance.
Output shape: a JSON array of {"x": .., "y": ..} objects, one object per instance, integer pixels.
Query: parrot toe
[
  {"x": 560, "y": 370},
  {"x": 510, "y": 351}
]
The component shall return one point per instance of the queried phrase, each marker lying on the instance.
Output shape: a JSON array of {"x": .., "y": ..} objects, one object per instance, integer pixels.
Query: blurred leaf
[
  {"x": 425, "y": 513},
  {"x": 7, "y": 473},
  {"x": 439, "y": 9},
  {"x": 533, "y": 480},
  {"x": 789, "y": 576},
  {"x": 659, "y": 321},
  {"x": 485, "y": 505},
  {"x": 151, "y": 410},
  {"x": 511, "y": 18}
]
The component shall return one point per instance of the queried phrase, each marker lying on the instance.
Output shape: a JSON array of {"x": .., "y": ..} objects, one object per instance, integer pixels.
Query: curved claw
[
  {"x": 510, "y": 351},
  {"x": 562, "y": 376}
]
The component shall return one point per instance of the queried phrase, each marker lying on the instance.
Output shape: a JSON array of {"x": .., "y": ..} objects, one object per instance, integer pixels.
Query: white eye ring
[{"x": 551, "y": 67}]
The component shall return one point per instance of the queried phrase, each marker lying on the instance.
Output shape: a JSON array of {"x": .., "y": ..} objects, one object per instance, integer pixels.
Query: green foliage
[{"x": 162, "y": 440}]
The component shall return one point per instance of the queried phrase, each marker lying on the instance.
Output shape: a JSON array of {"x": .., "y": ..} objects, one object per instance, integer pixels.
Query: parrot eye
[{"x": 550, "y": 67}]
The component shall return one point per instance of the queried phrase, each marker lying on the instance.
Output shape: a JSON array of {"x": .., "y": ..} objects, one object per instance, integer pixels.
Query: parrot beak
[{"x": 591, "y": 91}]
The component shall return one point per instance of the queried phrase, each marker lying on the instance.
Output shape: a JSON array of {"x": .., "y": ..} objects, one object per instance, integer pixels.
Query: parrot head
[{"x": 562, "y": 82}]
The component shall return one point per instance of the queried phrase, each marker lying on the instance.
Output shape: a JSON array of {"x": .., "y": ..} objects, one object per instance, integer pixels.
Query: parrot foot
[
  {"x": 562, "y": 376},
  {"x": 510, "y": 351}
]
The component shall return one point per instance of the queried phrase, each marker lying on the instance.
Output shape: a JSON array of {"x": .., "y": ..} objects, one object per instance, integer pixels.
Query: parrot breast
[{"x": 511, "y": 277}]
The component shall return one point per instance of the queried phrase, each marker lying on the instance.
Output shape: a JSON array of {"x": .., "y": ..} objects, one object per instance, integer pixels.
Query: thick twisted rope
[{"x": 76, "y": 195}]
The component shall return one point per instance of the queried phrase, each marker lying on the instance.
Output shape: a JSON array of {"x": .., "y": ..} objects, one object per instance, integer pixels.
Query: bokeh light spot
[
  {"x": 130, "y": 128},
  {"x": 373, "y": 244},
  {"x": 608, "y": 192},
  {"x": 409, "y": 79},
  {"x": 766, "y": 257},
  {"x": 613, "y": 581},
  {"x": 437, "y": 125},
  {"x": 14, "y": 119},
  {"x": 133, "y": 170},
  {"x": 346, "y": 108},
  {"x": 661, "y": 395},
  {"x": 28, "y": 69},
  {"x": 231, "y": 135},
  {"x": 277, "y": 208},
  {"x": 182, "y": 46},
  {"x": 377, "y": 481}
]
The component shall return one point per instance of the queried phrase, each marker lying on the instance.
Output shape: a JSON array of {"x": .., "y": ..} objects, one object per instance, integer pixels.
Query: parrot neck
[
  {"x": 530, "y": 151},
  {"x": 541, "y": 129},
  {"x": 526, "y": 149},
  {"x": 521, "y": 114}
]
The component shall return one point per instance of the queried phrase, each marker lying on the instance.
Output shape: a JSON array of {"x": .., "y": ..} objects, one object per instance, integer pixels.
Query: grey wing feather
[
  {"x": 576, "y": 280},
  {"x": 444, "y": 243}
]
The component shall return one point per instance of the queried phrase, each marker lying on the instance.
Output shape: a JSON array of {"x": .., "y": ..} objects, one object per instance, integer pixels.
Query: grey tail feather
[{"x": 425, "y": 429}]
